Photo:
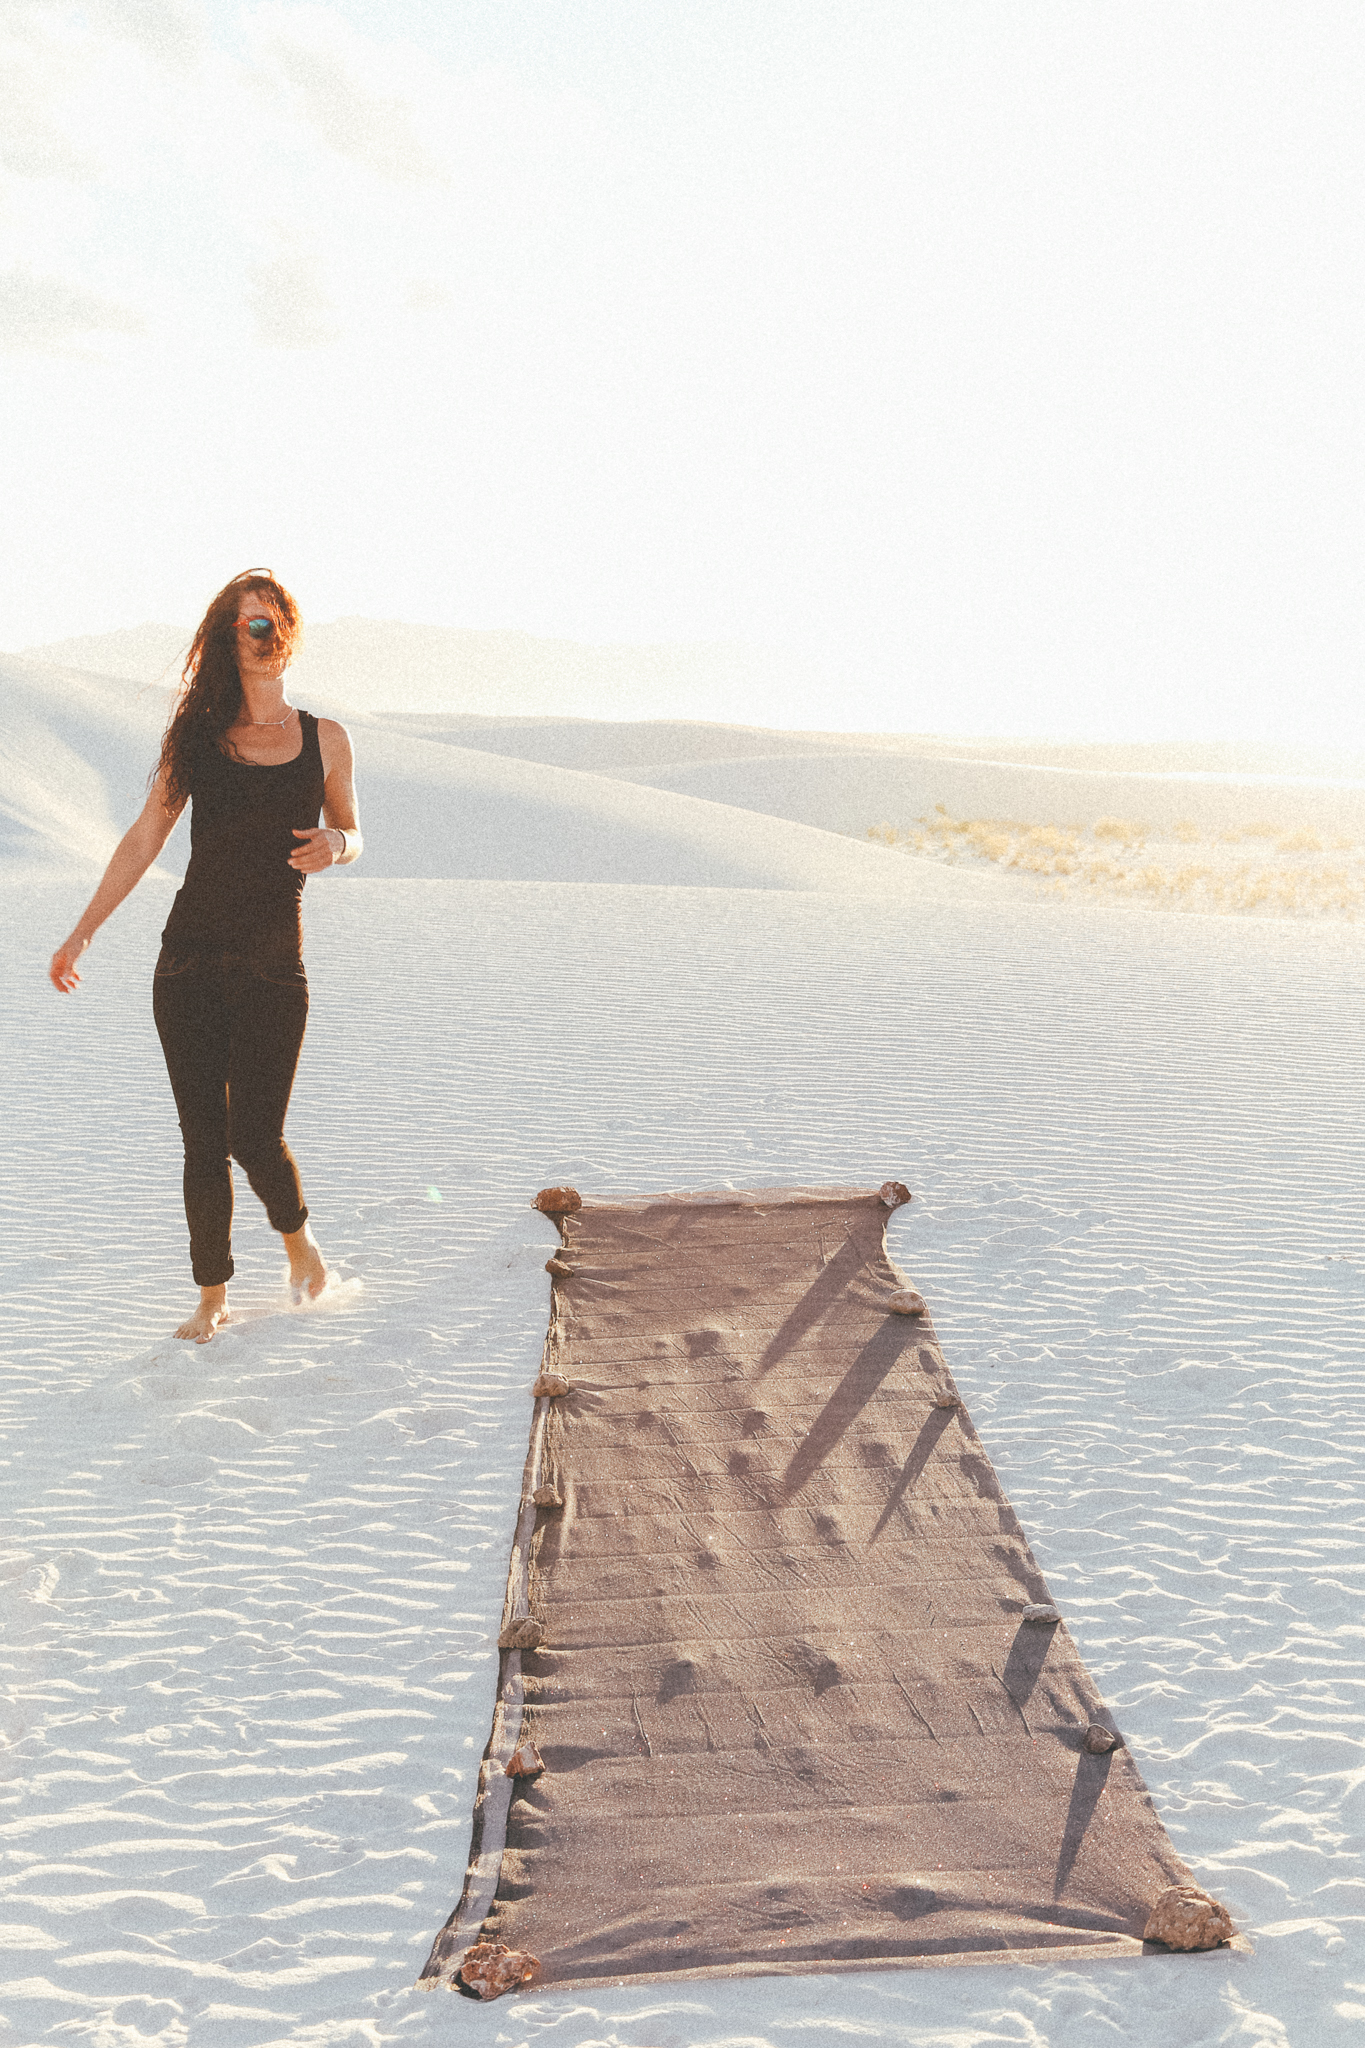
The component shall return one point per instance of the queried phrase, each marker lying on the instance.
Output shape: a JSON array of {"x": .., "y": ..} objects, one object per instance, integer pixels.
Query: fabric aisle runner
[{"x": 790, "y": 1715}]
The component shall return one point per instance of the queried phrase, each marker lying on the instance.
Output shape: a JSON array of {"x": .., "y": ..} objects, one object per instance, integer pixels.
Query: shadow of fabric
[
  {"x": 677, "y": 1678},
  {"x": 1092, "y": 1775},
  {"x": 1023, "y": 1666},
  {"x": 847, "y": 1402},
  {"x": 921, "y": 1451},
  {"x": 817, "y": 1301}
]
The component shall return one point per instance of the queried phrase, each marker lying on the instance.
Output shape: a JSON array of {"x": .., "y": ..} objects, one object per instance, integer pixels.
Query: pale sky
[{"x": 1002, "y": 361}]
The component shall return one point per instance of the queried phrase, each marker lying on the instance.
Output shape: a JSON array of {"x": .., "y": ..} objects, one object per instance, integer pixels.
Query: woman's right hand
[{"x": 62, "y": 971}]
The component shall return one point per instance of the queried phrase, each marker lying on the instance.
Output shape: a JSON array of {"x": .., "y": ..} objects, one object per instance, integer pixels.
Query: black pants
[{"x": 231, "y": 1037}]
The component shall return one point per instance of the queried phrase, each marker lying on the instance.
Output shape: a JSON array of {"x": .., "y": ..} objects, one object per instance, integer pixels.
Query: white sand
[{"x": 251, "y": 1591}]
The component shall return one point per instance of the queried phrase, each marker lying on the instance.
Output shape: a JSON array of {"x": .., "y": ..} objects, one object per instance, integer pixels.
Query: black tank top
[{"x": 240, "y": 894}]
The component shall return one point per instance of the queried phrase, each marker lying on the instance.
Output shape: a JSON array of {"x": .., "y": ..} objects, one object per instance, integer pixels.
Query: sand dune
[
  {"x": 75, "y": 754},
  {"x": 151, "y": 653},
  {"x": 614, "y": 746},
  {"x": 539, "y": 698},
  {"x": 442, "y": 811},
  {"x": 386, "y": 665},
  {"x": 669, "y": 803},
  {"x": 620, "y": 746},
  {"x": 848, "y": 792},
  {"x": 77, "y": 750}
]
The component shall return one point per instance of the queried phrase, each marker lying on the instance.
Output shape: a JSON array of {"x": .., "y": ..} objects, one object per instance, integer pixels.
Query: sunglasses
[{"x": 260, "y": 628}]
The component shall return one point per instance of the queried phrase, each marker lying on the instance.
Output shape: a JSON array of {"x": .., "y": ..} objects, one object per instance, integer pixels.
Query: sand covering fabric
[{"x": 790, "y": 1715}]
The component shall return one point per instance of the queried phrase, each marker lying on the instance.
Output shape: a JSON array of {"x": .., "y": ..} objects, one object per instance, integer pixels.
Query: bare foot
[
  {"x": 307, "y": 1267},
  {"x": 212, "y": 1311}
]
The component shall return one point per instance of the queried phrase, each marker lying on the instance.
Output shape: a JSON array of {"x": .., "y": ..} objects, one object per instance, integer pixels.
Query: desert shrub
[
  {"x": 1053, "y": 856},
  {"x": 988, "y": 839},
  {"x": 1040, "y": 861},
  {"x": 1052, "y": 839}
]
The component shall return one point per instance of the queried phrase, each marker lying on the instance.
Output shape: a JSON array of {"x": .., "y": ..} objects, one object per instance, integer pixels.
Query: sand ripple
[{"x": 248, "y": 1594}]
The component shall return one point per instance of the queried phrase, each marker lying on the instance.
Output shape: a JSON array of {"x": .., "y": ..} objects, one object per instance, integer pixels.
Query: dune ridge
[
  {"x": 75, "y": 754},
  {"x": 841, "y": 792},
  {"x": 667, "y": 802},
  {"x": 78, "y": 751}
]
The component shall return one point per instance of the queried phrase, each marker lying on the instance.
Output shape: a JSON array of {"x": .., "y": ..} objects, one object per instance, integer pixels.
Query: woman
[{"x": 230, "y": 996}]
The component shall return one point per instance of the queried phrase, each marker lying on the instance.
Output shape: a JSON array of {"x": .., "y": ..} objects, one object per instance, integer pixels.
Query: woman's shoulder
[{"x": 334, "y": 742}]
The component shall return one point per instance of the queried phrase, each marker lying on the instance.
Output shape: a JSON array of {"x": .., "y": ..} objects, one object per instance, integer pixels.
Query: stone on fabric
[
  {"x": 1185, "y": 1917},
  {"x": 553, "y": 1384},
  {"x": 526, "y": 1634},
  {"x": 490, "y": 1968},
  {"x": 548, "y": 1496},
  {"x": 526, "y": 1762},
  {"x": 1040, "y": 1611},
  {"x": 1099, "y": 1741},
  {"x": 946, "y": 1398},
  {"x": 558, "y": 1201},
  {"x": 906, "y": 1303},
  {"x": 560, "y": 1266},
  {"x": 894, "y": 1193}
]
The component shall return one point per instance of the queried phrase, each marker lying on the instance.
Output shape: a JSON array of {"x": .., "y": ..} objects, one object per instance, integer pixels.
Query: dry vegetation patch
[{"x": 1296, "y": 873}]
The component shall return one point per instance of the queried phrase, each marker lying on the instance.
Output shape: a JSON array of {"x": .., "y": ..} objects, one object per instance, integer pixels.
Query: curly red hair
[{"x": 209, "y": 699}]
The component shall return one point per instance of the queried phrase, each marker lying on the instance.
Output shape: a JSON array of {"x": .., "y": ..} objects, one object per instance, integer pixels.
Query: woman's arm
[
  {"x": 131, "y": 858},
  {"x": 339, "y": 840}
]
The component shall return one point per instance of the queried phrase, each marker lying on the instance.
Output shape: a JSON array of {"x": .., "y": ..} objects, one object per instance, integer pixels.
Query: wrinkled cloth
[{"x": 790, "y": 1714}]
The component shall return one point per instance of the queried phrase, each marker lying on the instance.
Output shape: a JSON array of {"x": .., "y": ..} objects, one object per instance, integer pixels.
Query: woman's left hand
[{"x": 322, "y": 845}]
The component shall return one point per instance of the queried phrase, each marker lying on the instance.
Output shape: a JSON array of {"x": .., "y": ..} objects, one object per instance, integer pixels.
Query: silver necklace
[{"x": 256, "y": 722}]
